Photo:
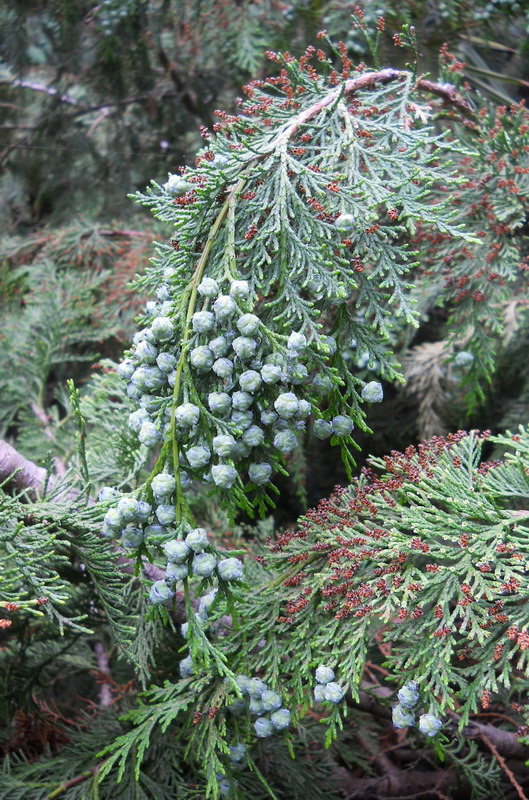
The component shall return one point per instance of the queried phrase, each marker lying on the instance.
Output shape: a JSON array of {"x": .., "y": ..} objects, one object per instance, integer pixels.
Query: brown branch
[
  {"x": 19, "y": 474},
  {"x": 189, "y": 100},
  {"x": 75, "y": 781},
  {"x": 39, "y": 87},
  {"x": 105, "y": 695},
  {"x": 367, "y": 702},
  {"x": 105, "y": 111},
  {"x": 505, "y": 742},
  {"x": 505, "y": 768},
  {"x": 351, "y": 86},
  {"x": 446, "y": 91},
  {"x": 411, "y": 785},
  {"x": 391, "y": 775},
  {"x": 125, "y": 101}
]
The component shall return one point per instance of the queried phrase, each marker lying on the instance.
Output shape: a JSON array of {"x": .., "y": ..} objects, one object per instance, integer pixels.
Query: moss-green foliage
[{"x": 66, "y": 302}]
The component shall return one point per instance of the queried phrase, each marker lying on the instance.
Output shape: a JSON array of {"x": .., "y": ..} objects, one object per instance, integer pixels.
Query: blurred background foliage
[{"x": 98, "y": 98}]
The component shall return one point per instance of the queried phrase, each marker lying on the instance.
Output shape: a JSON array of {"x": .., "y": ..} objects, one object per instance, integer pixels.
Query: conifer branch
[
  {"x": 446, "y": 91},
  {"x": 23, "y": 476},
  {"x": 303, "y": 227},
  {"x": 369, "y": 79},
  {"x": 64, "y": 787},
  {"x": 503, "y": 765}
]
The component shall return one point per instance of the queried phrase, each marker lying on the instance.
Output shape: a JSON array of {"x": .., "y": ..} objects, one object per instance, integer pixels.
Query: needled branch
[
  {"x": 64, "y": 787},
  {"x": 18, "y": 474}
]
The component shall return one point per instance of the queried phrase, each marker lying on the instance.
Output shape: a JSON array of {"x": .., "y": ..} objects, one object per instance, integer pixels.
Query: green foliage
[
  {"x": 435, "y": 542},
  {"x": 63, "y": 308},
  {"x": 98, "y": 98},
  {"x": 342, "y": 188},
  {"x": 324, "y": 234},
  {"x": 480, "y": 281}
]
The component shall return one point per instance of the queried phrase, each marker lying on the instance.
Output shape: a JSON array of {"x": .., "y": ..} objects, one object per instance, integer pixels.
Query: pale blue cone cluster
[
  {"x": 263, "y": 702},
  {"x": 251, "y": 396},
  {"x": 403, "y": 715},
  {"x": 326, "y": 689},
  {"x": 129, "y": 518},
  {"x": 191, "y": 557},
  {"x": 134, "y": 519}
]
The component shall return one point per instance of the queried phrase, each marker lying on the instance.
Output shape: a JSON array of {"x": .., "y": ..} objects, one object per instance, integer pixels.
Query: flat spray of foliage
[{"x": 301, "y": 231}]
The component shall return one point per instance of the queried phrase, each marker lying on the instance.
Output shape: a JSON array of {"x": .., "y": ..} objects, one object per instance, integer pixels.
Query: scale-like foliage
[
  {"x": 304, "y": 200},
  {"x": 293, "y": 245},
  {"x": 481, "y": 280},
  {"x": 65, "y": 305},
  {"x": 436, "y": 542}
]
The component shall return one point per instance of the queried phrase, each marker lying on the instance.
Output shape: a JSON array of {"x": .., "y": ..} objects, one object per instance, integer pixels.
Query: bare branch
[
  {"x": 105, "y": 695},
  {"x": 39, "y": 87},
  {"x": 48, "y": 433},
  {"x": 504, "y": 766},
  {"x": 19, "y": 474},
  {"x": 448, "y": 93},
  {"x": 407, "y": 785},
  {"x": 505, "y": 742}
]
